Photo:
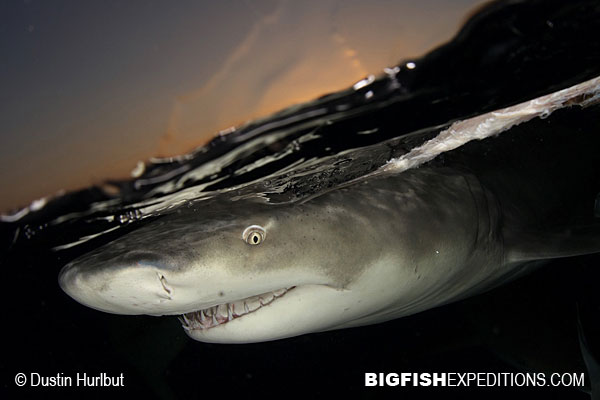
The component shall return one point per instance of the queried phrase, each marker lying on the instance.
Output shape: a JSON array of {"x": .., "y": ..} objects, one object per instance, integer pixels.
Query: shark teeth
[{"x": 223, "y": 313}]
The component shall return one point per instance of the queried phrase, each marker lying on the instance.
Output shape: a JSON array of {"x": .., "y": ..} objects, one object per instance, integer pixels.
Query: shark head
[
  {"x": 251, "y": 271},
  {"x": 255, "y": 272}
]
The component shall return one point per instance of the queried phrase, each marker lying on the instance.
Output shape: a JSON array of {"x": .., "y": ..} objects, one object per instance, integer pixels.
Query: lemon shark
[{"x": 412, "y": 235}]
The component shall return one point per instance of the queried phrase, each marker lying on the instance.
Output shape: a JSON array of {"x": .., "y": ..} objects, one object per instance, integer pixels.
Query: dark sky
[{"x": 88, "y": 88}]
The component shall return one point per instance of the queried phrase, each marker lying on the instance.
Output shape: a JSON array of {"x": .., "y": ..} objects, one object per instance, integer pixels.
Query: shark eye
[{"x": 254, "y": 235}]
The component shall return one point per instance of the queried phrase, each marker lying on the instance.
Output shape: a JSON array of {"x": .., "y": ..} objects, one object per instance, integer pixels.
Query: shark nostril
[{"x": 163, "y": 282}]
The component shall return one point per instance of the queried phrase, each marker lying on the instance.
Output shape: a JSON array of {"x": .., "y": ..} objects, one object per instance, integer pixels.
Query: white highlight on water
[{"x": 495, "y": 122}]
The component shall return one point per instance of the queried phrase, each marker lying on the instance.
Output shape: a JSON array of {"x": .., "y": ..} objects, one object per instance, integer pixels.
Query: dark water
[{"x": 508, "y": 53}]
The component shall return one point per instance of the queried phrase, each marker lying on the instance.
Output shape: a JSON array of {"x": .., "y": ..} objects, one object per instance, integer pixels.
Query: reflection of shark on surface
[{"x": 393, "y": 243}]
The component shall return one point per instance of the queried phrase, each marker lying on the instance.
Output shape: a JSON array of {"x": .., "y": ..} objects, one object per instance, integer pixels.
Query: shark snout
[{"x": 138, "y": 288}]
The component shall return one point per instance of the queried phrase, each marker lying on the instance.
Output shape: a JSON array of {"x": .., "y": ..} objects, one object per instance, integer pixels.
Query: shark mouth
[{"x": 223, "y": 313}]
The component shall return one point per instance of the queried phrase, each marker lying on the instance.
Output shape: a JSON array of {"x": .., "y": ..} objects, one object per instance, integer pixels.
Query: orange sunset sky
[{"x": 90, "y": 88}]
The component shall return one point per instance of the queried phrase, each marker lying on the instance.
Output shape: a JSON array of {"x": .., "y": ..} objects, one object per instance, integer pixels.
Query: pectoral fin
[{"x": 542, "y": 245}]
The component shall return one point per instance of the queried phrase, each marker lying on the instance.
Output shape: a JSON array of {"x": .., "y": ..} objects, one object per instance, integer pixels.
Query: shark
[{"x": 415, "y": 234}]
